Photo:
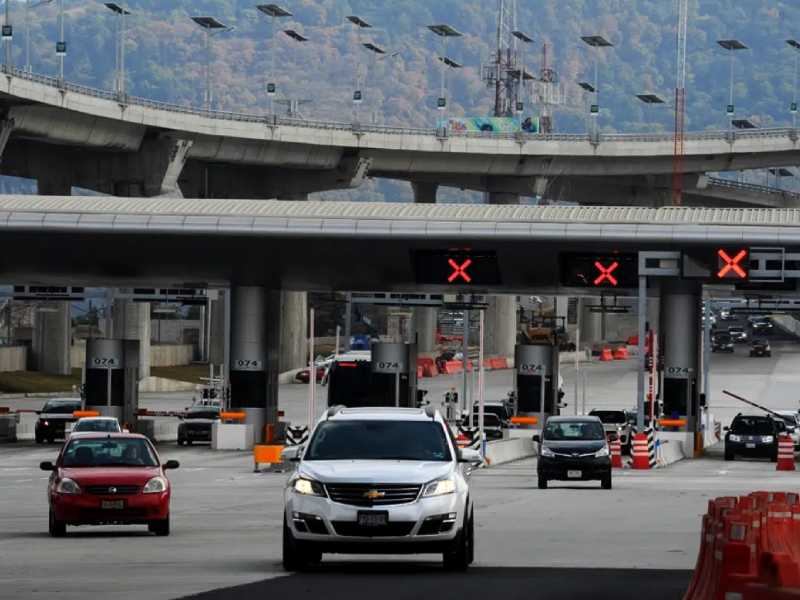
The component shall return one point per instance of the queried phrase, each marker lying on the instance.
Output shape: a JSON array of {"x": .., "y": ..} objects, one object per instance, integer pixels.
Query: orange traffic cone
[{"x": 616, "y": 454}]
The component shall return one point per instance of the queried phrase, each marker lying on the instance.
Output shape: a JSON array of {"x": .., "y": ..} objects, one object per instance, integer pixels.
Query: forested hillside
[{"x": 165, "y": 56}]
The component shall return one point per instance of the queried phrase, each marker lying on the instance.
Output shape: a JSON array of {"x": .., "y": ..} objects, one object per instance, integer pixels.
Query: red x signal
[
  {"x": 606, "y": 273},
  {"x": 731, "y": 268},
  {"x": 459, "y": 270}
]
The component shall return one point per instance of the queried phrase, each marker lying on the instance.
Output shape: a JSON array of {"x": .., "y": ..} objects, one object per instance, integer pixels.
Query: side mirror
[
  {"x": 726, "y": 429},
  {"x": 537, "y": 438},
  {"x": 171, "y": 464},
  {"x": 291, "y": 453},
  {"x": 468, "y": 455},
  {"x": 47, "y": 466}
]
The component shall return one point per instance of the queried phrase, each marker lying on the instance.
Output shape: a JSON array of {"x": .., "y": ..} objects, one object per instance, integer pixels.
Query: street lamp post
[
  {"x": 445, "y": 32},
  {"x": 793, "y": 106},
  {"x": 121, "y": 13},
  {"x": 520, "y": 102},
  {"x": 731, "y": 46},
  {"x": 651, "y": 100},
  {"x": 211, "y": 26},
  {"x": 273, "y": 11},
  {"x": 597, "y": 42},
  {"x": 8, "y": 35},
  {"x": 61, "y": 44},
  {"x": 28, "y": 7},
  {"x": 358, "y": 93}
]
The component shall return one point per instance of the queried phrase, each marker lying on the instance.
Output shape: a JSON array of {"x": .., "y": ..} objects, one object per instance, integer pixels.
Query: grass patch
[
  {"x": 187, "y": 373},
  {"x": 33, "y": 382}
]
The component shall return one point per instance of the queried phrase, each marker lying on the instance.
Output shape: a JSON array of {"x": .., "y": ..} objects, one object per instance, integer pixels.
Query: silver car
[{"x": 379, "y": 481}]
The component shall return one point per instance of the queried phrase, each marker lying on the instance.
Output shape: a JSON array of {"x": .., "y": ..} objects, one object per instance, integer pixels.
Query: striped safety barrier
[
  {"x": 616, "y": 454},
  {"x": 469, "y": 437},
  {"x": 640, "y": 452},
  {"x": 785, "y": 454},
  {"x": 296, "y": 436},
  {"x": 651, "y": 446}
]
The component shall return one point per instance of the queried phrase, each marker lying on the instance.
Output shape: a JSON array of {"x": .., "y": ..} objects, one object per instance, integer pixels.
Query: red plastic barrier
[
  {"x": 487, "y": 364},
  {"x": 621, "y": 353},
  {"x": 749, "y": 549},
  {"x": 785, "y": 454},
  {"x": 500, "y": 363},
  {"x": 606, "y": 355},
  {"x": 451, "y": 367},
  {"x": 640, "y": 452},
  {"x": 616, "y": 454}
]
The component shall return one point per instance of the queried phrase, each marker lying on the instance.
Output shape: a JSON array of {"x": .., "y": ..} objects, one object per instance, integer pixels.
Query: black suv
[
  {"x": 721, "y": 342},
  {"x": 53, "y": 418},
  {"x": 196, "y": 424},
  {"x": 752, "y": 436},
  {"x": 760, "y": 348},
  {"x": 574, "y": 449}
]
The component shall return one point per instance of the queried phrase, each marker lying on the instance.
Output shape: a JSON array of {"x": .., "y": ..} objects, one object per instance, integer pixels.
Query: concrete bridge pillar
[
  {"x": 255, "y": 343},
  {"x": 216, "y": 343},
  {"x": 52, "y": 338},
  {"x": 424, "y": 192},
  {"x": 132, "y": 322},
  {"x": 501, "y": 326},
  {"x": 293, "y": 330},
  {"x": 425, "y": 322}
]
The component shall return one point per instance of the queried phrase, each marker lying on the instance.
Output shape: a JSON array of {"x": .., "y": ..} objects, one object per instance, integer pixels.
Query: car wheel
[
  {"x": 57, "y": 528},
  {"x": 728, "y": 455},
  {"x": 295, "y": 556},
  {"x": 188, "y": 442},
  {"x": 39, "y": 439},
  {"x": 462, "y": 555},
  {"x": 606, "y": 482},
  {"x": 542, "y": 483},
  {"x": 160, "y": 528},
  {"x": 181, "y": 442}
]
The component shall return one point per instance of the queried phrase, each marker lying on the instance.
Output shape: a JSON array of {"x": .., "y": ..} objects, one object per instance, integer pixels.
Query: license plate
[
  {"x": 373, "y": 519},
  {"x": 749, "y": 445},
  {"x": 574, "y": 474},
  {"x": 112, "y": 504}
]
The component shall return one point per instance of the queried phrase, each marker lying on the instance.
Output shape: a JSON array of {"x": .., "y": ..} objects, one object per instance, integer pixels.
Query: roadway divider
[
  {"x": 621, "y": 353},
  {"x": 616, "y": 454},
  {"x": 264, "y": 454},
  {"x": 785, "y": 454},
  {"x": 640, "y": 452},
  {"x": 606, "y": 355},
  {"x": 749, "y": 549}
]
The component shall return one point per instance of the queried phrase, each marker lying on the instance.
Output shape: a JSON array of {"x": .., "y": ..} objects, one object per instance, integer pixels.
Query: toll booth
[
  {"x": 375, "y": 378},
  {"x": 112, "y": 379},
  {"x": 536, "y": 379}
]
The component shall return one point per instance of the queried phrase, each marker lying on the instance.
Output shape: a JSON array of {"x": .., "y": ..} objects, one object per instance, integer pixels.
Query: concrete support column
[
  {"x": 216, "y": 344},
  {"x": 294, "y": 326},
  {"x": 52, "y": 338},
  {"x": 425, "y": 322},
  {"x": 424, "y": 192},
  {"x": 254, "y": 346},
  {"x": 591, "y": 323},
  {"x": 680, "y": 340},
  {"x": 501, "y": 326},
  {"x": 132, "y": 322}
]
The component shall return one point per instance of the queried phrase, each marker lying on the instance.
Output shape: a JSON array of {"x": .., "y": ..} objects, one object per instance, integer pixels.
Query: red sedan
[{"x": 109, "y": 479}]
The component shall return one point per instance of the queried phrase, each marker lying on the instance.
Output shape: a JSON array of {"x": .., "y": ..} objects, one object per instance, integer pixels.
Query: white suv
[{"x": 379, "y": 480}]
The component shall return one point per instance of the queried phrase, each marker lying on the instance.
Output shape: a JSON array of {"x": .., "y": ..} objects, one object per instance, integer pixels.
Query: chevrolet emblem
[{"x": 374, "y": 494}]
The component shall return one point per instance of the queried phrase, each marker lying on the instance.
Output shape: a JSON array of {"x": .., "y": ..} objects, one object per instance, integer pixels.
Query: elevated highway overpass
[{"x": 67, "y": 135}]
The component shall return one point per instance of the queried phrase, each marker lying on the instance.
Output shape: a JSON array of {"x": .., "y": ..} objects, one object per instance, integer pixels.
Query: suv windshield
[
  {"x": 379, "y": 440},
  {"x": 610, "y": 416},
  {"x": 109, "y": 452},
  {"x": 753, "y": 426},
  {"x": 574, "y": 431},
  {"x": 61, "y": 407},
  {"x": 97, "y": 425}
]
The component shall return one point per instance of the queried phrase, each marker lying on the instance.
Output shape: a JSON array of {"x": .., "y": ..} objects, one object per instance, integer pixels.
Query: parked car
[
  {"x": 492, "y": 426},
  {"x": 615, "y": 422},
  {"x": 196, "y": 424},
  {"x": 377, "y": 480},
  {"x": 722, "y": 342},
  {"x": 499, "y": 409},
  {"x": 108, "y": 478},
  {"x": 573, "y": 449},
  {"x": 753, "y": 436},
  {"x": 760, "y": 348},
  {"x": 54, "y": 417},
  {"x": 738, "y": 335}
]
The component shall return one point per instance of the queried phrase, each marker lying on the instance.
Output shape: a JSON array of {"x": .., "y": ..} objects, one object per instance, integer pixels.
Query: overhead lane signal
[{"x": 733, "y": 264}]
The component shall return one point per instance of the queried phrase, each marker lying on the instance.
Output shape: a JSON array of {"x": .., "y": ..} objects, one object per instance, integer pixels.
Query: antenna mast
[{"x": 503, "y": 73}]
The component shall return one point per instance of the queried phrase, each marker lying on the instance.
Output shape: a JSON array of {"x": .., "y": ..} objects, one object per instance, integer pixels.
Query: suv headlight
[
  {"x": 602, "y": 452},
  {"x": 439, "y": 487},
  {"x": 308, "y": 487},
  {"x": 545, "y": 451},
  {"x": 68, "y": 486},
  {"x": 767, "y": 439},
  {"x": 734, "y": 438},
  {"x": 155, "y": 485}
]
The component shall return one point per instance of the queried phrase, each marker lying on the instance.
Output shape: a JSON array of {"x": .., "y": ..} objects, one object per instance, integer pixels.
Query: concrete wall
[
  {"x": 13, "y": 358},
  {"x": 172, "y": 355}
]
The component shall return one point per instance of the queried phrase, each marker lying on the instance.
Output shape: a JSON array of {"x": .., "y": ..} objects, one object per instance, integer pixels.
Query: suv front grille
[
  {"x": 352, "y": 529},
  {"x": 380, "y": 494},
  {"x": 105, "y": 490}
]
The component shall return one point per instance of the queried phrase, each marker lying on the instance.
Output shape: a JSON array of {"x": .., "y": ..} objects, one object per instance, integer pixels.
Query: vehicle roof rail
[{"x": 333, "y": 410}]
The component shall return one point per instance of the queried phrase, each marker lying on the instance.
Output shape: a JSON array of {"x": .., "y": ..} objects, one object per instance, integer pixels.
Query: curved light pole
[
  {"x": 28, "y": 7},
  {"x": 597, "y": 42},
  {"x": 121, "y": 13},
  {"x": 212, "y": 26},
  {"x": 445, "y": 32},
  {"x": 273, "y": 11},
  {"x": 795, "y": 45},
  {"x": 61, "y": 44},
  {"x": 731, "y": 46},
  {"x": 8, "y": 35}
]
